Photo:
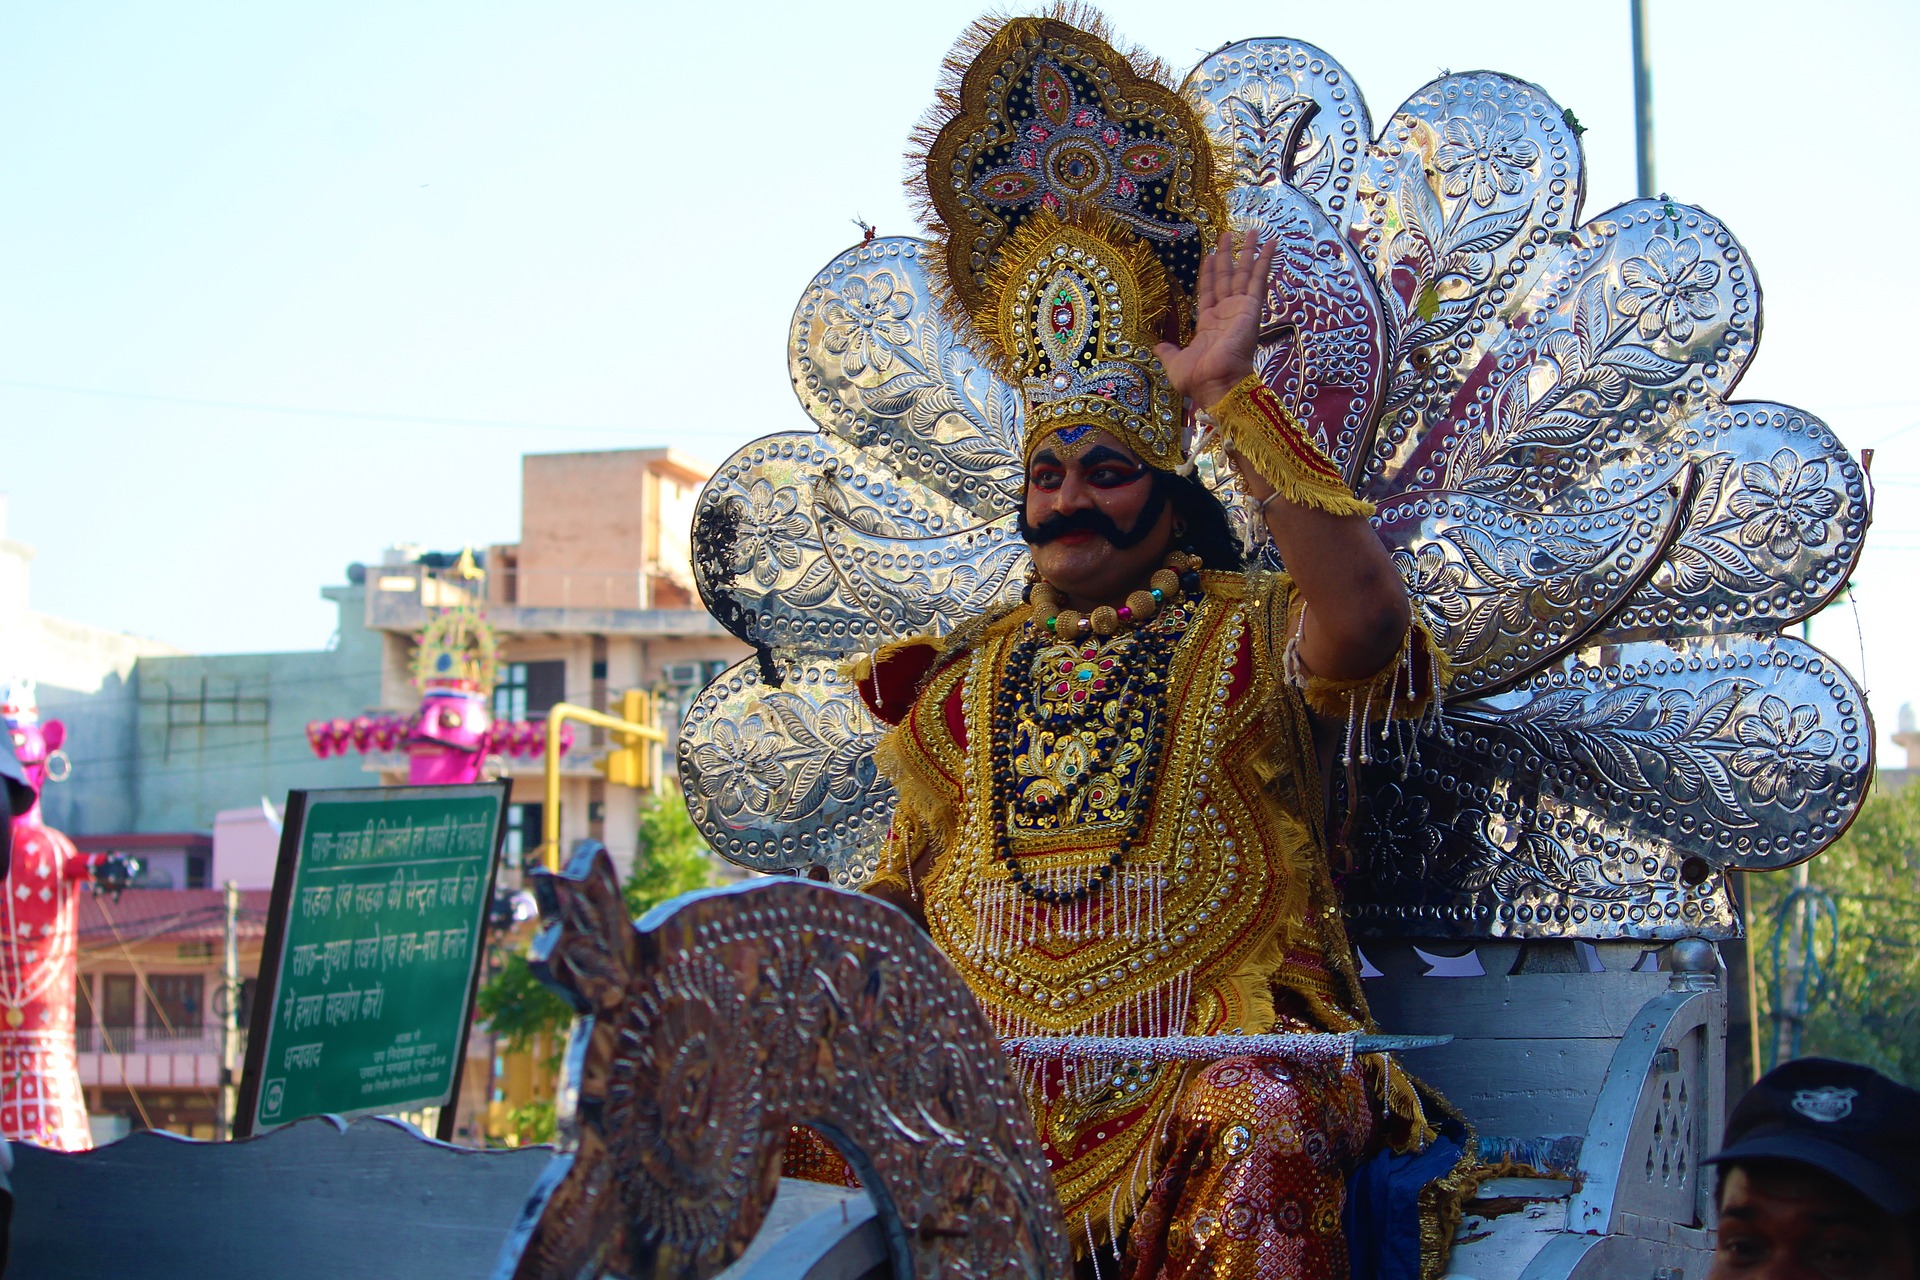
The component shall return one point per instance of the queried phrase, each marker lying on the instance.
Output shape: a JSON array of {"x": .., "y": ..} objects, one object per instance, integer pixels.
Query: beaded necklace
[{"x": 1073, "y": 697}]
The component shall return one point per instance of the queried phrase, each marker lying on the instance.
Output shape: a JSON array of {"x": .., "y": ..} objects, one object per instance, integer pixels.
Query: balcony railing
[
  {"x": 400, "y": 598},
  {"x": 151, "y": 1040}
]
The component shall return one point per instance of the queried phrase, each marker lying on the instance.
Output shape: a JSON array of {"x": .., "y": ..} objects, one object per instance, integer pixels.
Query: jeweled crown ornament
[
  {"x": 456, "y": 650},
  {"x": 1072, "y": 194}
]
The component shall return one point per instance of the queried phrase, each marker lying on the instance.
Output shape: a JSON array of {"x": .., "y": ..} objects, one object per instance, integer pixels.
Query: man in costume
[{"x": 1111, "y": 809}]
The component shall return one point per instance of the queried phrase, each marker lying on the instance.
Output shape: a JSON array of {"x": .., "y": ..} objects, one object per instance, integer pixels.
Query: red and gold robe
[{"x": 1222, "y": 918}]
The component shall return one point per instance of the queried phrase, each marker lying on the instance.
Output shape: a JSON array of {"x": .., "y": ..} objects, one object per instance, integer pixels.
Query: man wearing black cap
[{"x": 1819, "y": 1177}]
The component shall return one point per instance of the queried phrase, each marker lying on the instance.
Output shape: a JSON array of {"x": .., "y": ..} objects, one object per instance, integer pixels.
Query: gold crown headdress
[
  {"x": 457, "y": 650},
  {"x": 1071, "y": 193}
]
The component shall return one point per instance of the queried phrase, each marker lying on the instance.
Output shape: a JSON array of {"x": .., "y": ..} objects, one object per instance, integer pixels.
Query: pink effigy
[
  {"x": 453, "y": 733},
  {"x": 40, "y": 1097}
]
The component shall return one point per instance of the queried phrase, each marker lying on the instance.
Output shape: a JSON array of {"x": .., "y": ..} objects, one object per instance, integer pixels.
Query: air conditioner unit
[{"x": 686, "y": 675}]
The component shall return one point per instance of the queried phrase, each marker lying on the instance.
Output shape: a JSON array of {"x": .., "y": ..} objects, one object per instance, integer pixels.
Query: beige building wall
[
  {"x": 602, "y": 576},
  {"x": 604, "y": 530}
]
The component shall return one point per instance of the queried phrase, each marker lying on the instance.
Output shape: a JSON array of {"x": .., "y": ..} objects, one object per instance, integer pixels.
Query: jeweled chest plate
[
  {"x": 1086, "y": 727},
  {"x": 1193, "y": 891}
]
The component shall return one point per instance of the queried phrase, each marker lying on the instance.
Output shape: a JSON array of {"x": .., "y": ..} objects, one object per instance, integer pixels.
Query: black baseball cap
[{"x": 1839, "y": 1117}]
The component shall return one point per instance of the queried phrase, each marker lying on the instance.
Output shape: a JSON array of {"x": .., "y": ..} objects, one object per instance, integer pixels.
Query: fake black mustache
[{"x": 1094, "y": 520}]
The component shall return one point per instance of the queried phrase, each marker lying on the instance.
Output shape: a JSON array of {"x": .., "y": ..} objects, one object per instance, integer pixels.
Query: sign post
[{"x": 373, "y": 950}]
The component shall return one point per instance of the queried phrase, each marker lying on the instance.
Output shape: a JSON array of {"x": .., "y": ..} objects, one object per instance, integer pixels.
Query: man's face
[
  {"x": 1105, "y": 486},
  {"x": 1784, "y": 1220}
]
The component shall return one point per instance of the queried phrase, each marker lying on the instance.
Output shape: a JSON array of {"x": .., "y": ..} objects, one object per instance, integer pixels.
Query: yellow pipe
[{"x": 557, "y": 715}]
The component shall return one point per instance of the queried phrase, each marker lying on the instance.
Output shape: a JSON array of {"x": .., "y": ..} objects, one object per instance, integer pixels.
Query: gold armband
[{"x": 1260, "y": 429}]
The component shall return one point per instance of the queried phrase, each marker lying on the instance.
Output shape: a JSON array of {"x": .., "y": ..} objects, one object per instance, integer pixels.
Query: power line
[{"x": 300, "y": 411}]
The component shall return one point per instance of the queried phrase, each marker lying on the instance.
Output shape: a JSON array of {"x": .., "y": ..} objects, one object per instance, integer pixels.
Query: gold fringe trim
[
  {"x": 1443, "y": 1202},
  {"x": 922, "y": 814},
  {"x": 1388, "y": 693},
  {"x": 1286, "y": 464}
]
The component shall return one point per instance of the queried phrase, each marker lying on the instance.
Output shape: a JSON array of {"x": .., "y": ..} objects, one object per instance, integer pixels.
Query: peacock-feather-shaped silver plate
[{"x": 1608, "y": 549}]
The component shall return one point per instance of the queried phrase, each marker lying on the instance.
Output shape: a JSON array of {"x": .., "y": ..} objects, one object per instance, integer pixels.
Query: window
[
  {"x": 83, "y": 1011},
  {"x": 526, "y": 689},
  {"x": 116, "y": 1011},
  {"x": 176, "y": 1005},
  {"x": 523, "y": 833},
  {"x": 510, "y": 692}
]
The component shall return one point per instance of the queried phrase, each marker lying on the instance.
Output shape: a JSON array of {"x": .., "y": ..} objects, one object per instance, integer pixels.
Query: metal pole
[
  {"x": 558, "y": 714},
  {"x": 1642, "y": 102},
  {"x": 230, "y": 1018},
  {"x": 1793, "y": 993}
]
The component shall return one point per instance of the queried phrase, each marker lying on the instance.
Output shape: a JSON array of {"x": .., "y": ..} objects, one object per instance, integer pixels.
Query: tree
[
  {"x": 1864, "y": 1003},
  {"x": 671, "y": 860}
]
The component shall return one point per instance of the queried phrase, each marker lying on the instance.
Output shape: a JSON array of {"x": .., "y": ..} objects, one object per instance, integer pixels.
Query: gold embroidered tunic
[{"x": 1219, "y": 917}]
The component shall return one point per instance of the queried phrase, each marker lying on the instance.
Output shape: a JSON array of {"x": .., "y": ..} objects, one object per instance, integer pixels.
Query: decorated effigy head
[
  {"x": 454, "y": 669},
  {"x": 1071, "y": 193},
  {"x": 36, "y": 742}
]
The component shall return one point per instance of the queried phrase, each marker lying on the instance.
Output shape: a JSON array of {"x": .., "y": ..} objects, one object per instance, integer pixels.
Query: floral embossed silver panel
[
  {"x": 1606, "y": 545},
  {"x": 723, "y": 1018}
]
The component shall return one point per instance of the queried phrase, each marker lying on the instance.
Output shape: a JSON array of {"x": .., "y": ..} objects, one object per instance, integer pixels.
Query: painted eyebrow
[
  {"x": 1102, "y": 453},
  {"x": 1046, "y": 456}
]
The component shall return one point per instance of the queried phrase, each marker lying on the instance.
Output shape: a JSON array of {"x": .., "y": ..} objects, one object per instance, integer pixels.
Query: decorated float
[{"x": 1608, "y": 548}]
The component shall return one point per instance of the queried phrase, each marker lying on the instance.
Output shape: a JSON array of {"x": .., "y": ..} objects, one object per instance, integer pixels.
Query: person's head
[
  {"x": 1818, "y": 1177},
  {"x": 1100, "y": 520}
]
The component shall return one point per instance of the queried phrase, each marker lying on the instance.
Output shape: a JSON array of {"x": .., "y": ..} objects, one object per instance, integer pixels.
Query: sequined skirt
[{"x": 1252, "y": 1177}]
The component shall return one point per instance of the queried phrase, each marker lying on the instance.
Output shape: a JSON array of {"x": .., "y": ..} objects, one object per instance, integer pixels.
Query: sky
[{"x": 283, "y": 283}]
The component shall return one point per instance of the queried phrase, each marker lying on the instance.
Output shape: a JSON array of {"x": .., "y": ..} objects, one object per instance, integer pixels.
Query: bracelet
[{"x": 1257, "y": 425}]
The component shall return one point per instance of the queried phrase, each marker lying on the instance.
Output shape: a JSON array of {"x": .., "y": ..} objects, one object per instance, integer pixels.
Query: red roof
[{"x": 176, "y": 915}]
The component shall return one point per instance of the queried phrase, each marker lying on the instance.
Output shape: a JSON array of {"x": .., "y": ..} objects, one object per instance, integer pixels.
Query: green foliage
[
  {"x": 1869, "y": 1008},
  {"x": 533, "y": 1122},
  {"x": 671, "y": 860},
  {"x": 518, "y": 1007}
]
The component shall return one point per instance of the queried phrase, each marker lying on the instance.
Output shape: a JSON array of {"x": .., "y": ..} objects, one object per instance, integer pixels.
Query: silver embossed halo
[
  {"x": 1607, "y": 548},
  {"x": 893, "y": 518}
]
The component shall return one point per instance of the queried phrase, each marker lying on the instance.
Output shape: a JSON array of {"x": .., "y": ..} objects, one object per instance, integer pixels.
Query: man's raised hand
[{"x": 1232, "y": 295}]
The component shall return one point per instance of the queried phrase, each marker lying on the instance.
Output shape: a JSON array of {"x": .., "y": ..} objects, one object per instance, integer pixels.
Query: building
[
  {"x": 84, "y": 674},
  {"x": 596, "y": 598},
  {"x": 150, "y": 1012},
  {"x": 184, "y": 760}
]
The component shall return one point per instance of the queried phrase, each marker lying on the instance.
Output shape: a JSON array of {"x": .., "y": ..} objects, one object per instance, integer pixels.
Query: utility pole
[
  {"x": 1791, "y": 995},
  {"x": 229, "y": 1017},
  {"x": 1642, "y": 102}
]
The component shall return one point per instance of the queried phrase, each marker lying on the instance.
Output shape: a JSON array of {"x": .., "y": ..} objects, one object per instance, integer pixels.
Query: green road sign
[{"x": 373, "y": 948}]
